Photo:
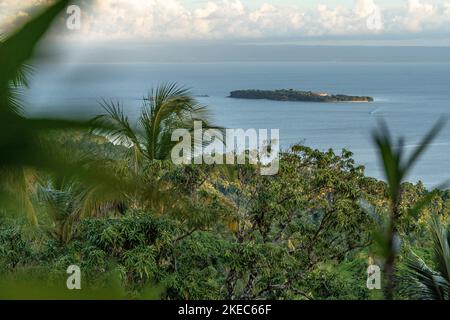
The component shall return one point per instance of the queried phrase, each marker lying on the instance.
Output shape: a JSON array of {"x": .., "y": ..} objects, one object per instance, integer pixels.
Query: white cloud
[
  {"x": 221, "y": 19},
  {"x": 13, "y": 13},
  {"x": 365, "y": 8},
  {"x": 447, "y": 9},
  {"x": 419, "y": 14},
  {"x": 333, "y": 20}
]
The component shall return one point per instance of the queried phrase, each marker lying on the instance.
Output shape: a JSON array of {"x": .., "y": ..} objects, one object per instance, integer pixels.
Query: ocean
[{"x": 410, "y": 97}]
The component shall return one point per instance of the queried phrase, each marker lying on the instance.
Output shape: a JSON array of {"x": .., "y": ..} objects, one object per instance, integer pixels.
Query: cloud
[
  {"x": 14, "y": 13},
  {"x": 365, "y": 8},
  {"x": 232, "y": 19},
  {"x": 229, "y": 19},
  {"x": 418, "y": 16}
]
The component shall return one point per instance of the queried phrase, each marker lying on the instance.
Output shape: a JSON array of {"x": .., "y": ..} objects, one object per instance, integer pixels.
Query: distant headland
[{"x": 296, "y": 95}]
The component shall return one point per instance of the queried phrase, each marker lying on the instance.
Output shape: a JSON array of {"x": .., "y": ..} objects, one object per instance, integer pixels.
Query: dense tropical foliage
[
  {"x": 105, "y": 196},
  {"x": 302, "y": 234}
]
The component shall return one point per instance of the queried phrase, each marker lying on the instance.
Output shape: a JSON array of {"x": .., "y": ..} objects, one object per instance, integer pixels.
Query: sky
[
  {"x": 416, "y": 22},
  {"x": 303, "y": 3}
]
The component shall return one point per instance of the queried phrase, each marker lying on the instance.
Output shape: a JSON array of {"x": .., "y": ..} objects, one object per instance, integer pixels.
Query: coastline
[{"x": 297, "y": 95}]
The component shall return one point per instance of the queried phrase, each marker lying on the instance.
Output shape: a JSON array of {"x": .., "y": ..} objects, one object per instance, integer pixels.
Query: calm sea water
[{"x": 410, "y": 97}]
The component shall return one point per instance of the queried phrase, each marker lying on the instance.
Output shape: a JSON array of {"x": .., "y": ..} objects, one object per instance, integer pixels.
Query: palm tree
[
  {"x": 16, "y": 133},
  {"x": 426, "y": 283},
  {"x": 67, "y": 201},
  {"x": 12, "y": 93},
  {"x": 149, "y": 141},
  {"x": 62, "y": 204},
  {"x": 22, "y": 150},
  {"x": 167, "y": 108},
  {"x": 396, "y": 165}
]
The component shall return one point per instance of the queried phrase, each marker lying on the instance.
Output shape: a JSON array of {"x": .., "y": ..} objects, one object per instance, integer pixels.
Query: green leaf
[{"x": 19, "y": 47}]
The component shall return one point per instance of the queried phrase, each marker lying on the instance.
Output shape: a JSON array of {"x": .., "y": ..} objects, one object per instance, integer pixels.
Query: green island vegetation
[
  {"x": 141, "y": 227},
  {"x": 296, "y": 95}
]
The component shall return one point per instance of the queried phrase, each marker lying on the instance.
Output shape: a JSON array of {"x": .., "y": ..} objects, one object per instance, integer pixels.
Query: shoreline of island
[{"x": 297, "y": 95}]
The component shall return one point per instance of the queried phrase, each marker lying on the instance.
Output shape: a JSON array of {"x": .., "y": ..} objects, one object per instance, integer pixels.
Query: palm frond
[
  {"x": 441, "y": 248},
  {"x": 426, "y": 284},
  {"x": 22, "y": 76},
  {"x": 13, "y": 99},
  {"x": 390, "y": 159},
  {"x": 424, "y": 144},
  {"x": 396, "y": 166},
  {"x": 18, "y": 48},
  {"x": 169, "y": 107},
  {"x": 116, "y": 125}
]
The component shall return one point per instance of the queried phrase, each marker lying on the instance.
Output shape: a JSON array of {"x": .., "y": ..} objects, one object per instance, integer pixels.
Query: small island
[{"x": 297, "y": 95}]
